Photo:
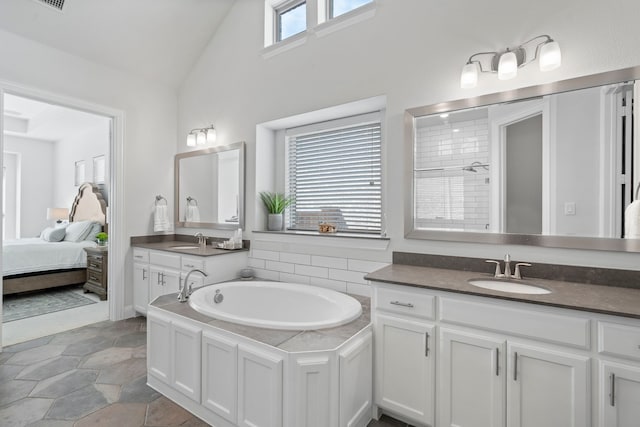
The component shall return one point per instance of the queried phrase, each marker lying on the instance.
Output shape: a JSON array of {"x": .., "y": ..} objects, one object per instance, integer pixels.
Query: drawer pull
[
  {"x": 94, "y": 278},
  {"x": 144, "y": 274},
  {"x": 189, "y": 265},
  {"x": 613, "y": 389},
  {"x": 403, "y": 304},
  {"x": 138, "y": 256},
  {"x": 515, "y": 367},
  {"x": 497, "y": 362}
]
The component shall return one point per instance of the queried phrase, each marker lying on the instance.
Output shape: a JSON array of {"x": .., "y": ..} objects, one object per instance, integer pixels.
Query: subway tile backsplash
[{"x": 340, "y": 274}]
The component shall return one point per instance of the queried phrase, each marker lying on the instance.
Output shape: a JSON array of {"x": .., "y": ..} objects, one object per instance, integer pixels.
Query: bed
[{"x": 34, "y": 264}]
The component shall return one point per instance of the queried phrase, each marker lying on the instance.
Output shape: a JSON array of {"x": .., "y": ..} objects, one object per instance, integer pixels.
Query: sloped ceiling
[{"x": 153, "y": 39}]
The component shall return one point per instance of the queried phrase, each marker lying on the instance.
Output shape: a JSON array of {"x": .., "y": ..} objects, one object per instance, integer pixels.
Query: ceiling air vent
[{"x": 56, "y": 4}]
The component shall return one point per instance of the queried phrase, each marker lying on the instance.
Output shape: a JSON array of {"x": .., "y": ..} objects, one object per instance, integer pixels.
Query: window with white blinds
[{"x": 334, "y": 176}]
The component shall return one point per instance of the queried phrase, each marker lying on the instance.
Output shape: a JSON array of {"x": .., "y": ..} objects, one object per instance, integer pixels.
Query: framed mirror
[
  {"x": 209, "y": 187},
  {"x": 555, "y": 165}
]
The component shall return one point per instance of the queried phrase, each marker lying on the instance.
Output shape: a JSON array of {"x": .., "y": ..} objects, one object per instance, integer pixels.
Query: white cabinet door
[
  {"x": 185, "y": 359},
  {"x": 220, "y": 376},
  {"x": 159, "y": 346},
  {"x": 472, "y": 372},
  {"x": 156, "y": 282},
  {"x": 405, "y": 364},
  {"x": 619, "y": 395},
  {"x": 140, "y": 287},
  {"x": 259, "y": 388},
  {"x": 355, "y": 364},
  {"x": 546, "y": 388},
  {"x": 171, "y": 279}
]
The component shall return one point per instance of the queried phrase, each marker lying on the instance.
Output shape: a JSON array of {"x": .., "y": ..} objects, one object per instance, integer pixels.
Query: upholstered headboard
[{"x": 89, "y": 205}]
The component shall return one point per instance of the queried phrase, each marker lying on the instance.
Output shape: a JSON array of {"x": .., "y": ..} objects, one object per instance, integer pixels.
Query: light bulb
[
  {"x": 191, "y": 140},
  {"x": 507, "y": 66},
  {"x": 211, "y": 135},
  {"x": 469, "y": 76},
  {"x": 550, "y": 56},
  {"x": 201, "y": 138}
]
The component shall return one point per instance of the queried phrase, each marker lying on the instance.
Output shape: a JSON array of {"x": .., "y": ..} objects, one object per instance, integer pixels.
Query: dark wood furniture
[
  {"x": 89, "y": 204},
  {"x": 97, "y": 265}
]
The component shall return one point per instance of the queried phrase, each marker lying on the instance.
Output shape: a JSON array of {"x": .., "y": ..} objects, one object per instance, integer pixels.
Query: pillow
[
  {"x": 77, "y": 231},
  {"x": 51, "y": 234},
  {"x": 96, "y": 227}
]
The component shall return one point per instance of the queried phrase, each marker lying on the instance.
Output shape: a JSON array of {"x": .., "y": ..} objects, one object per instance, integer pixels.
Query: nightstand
[{"x": 97, "y": 263}]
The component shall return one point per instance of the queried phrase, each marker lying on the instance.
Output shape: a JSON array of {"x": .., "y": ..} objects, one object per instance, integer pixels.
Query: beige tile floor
[{"x": 91, "y": 376}]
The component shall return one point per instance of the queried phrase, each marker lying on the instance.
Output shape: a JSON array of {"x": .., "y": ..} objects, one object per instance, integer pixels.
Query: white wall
[
  {"x": 412, "y": 52},
  {"x": 85, "y": 146},
  {"x": 36, "y": 185},
  {"x": 149, "y": 130}
]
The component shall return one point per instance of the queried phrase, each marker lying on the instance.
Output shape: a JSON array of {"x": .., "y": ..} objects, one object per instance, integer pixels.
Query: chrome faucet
[
  {"x": 186, "y": 290},
  {"x": 202, "y": 240},
  {"x": 507, "y": 268}
]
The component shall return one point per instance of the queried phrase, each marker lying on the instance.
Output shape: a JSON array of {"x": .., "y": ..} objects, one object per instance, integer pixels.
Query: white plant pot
[{"x": 275, "y": 222}]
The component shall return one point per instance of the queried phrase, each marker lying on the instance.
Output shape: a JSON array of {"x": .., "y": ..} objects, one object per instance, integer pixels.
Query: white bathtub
[{"x": 276, "y": 305}]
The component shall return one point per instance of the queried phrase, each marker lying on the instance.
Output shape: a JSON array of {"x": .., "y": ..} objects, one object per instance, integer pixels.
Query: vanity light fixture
[
  {"x": 201, "y": 136},
  {"x": 506, "y": 63}
]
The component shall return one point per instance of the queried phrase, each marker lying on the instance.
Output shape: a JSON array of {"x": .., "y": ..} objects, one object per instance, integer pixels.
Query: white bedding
[{"x": 34, "y": 254}]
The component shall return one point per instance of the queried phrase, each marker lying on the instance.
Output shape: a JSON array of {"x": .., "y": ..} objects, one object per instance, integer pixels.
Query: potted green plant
[
  {"x": 275, "y": 203},
  {"x": 102, "y": 237}
]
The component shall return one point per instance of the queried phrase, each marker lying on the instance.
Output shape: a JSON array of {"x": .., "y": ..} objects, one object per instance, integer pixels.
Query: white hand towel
[
  {"x": 161, "y": 220},
  {"x": 192, "y": 214},
  {"x": 632, "y": 220}
]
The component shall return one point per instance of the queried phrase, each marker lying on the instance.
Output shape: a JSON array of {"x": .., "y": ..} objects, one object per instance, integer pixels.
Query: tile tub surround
[
  {"x": 341, "y": 274},
  {"x": 612, "y": 300},
  {"x": 291, "y": 341}
]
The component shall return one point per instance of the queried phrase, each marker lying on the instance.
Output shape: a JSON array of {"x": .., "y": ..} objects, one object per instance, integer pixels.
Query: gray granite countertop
[
  {"x": 170, "y": 246},
  {"x": 291, "y": 341},
  {"x": 578, "y": 296}
]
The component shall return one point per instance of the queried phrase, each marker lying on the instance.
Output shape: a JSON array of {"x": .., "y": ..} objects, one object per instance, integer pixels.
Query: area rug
[{"x": 16, "y": 307}]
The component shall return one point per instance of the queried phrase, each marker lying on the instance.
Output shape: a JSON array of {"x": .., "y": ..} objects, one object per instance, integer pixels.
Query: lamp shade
[
  {"x": 211, "y": 135},
  {"x": 550, "y": 56},
  {"x": 57, "y": 213},
  {"x": 191, "y": 140},
  {"x": 201, "y": 137},
  {"x": 507, "y": 66},
  {"x": 469, "y": 76}
]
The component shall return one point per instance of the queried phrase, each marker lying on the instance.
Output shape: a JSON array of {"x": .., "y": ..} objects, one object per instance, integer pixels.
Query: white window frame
[
  {"x": 277, "y": 16},
  {"x": 318, "y": 22}
]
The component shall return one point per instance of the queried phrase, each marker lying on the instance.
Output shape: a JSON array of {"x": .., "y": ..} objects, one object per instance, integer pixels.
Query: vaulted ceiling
[{"x": 153, "y": 39}]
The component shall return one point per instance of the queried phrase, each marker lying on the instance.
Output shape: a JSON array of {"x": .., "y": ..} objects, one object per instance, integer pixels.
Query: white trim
[
  {"x": 373, "y": 242},
  {"x": 284, "y": 45},
  {"x": 360, "y": 14},
  {"x": 115, "y": 211}
]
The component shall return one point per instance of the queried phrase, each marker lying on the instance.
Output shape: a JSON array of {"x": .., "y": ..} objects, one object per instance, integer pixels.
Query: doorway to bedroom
[{"x": 54, "y": 200}]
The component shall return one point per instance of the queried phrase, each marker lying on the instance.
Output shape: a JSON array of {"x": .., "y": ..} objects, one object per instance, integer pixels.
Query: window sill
[
  {"x": 340, "y": 239},
  {"x": 284, "y": 45}
]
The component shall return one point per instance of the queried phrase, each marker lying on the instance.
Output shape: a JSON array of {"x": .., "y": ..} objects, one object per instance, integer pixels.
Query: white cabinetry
[
  {"x": 619, "y": 374},
  {"x": 220, "y": 375},
  {"x": 405, "y": 358},
  {"x": 157, "y": 273},
  {"x": 259, "y": 388},
  {"x": 185, "y": 359}
]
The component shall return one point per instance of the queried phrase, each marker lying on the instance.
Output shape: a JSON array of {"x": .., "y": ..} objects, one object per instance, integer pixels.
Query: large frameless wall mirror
[
  {"x": 554, "y": 165},
  {"x": 209, "y": 187}
]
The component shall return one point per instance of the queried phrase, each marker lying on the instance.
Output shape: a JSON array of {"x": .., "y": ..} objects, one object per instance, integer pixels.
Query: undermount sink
[
  {"x": 508, "y": 286},
  {"x": 185, "y": 247}
]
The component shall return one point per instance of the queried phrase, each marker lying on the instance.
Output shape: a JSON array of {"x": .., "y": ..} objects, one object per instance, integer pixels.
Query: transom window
[
  {"x": 334, "y": 175},
  {"x": 340, "y": 7},
  {"x": 291, "y": 19}
]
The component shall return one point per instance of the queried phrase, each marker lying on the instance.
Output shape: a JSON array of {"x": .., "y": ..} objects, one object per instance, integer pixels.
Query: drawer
[
  {"x": 189, "y": 263},
  {"x": 619, "y": 340},
  {"x": 94, "y": 277},
  {"x": 140, "y": 255},
  {"x": 529, "y": 323},
  {"x": 406, "y": 302},
  {"x": 94, "y": 262},
  {"x": 164, "y": 259}
]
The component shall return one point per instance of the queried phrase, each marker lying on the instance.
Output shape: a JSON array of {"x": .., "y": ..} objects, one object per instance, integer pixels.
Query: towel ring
[
  {"x": 159, "y": 199},
  {"x": 191, "y": 199}
]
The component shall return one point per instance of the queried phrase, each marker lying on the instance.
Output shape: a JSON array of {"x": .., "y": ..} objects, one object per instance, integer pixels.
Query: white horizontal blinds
[{"x": 335, "y": 177}]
